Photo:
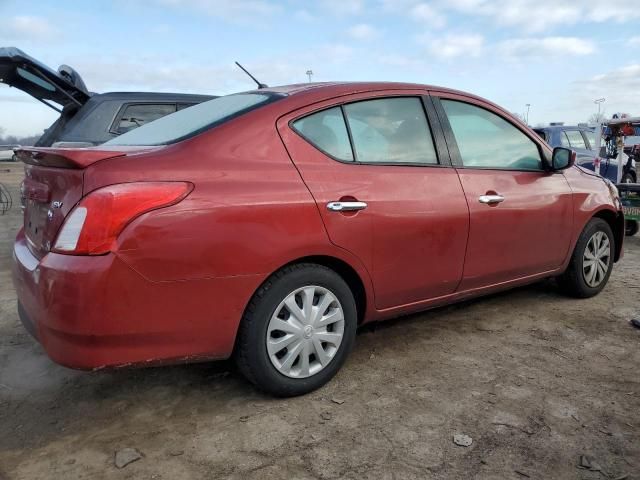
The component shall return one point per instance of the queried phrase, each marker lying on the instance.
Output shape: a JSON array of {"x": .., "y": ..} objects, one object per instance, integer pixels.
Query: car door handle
[
  {"x": 346, "y": 206},
  {"x": 491, "y": 199}
]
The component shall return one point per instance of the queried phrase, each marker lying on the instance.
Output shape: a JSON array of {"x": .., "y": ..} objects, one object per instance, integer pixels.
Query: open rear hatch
[
  {"x": 63, "y": 87},
  {"x": 53, "y": 185}
]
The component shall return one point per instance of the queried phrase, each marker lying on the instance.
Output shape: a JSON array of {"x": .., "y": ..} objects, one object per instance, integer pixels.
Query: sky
[{"x": 556, "y": 55}]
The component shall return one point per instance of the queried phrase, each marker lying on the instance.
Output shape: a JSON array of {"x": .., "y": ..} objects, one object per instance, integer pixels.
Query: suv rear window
[
  {"x": 191, "y": 121},
  {"x": 134, "y": 116}
]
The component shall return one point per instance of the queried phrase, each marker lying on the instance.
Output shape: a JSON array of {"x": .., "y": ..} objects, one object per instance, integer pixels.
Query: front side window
[
  {"x": 135, "y": 116},
  {"x": 391, "y": 130},
  {"x": 486, "y": 140},
  {"x": 328, "y": 132},
  {"x": 591, "y": 138},
  {"x": 575, "y": 139},
  {"x": 191, "y": 121}
]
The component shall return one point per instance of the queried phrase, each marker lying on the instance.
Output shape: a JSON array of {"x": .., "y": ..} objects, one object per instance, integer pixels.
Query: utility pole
[
  {"x": 528, "y": 108},
  {"x": 599, "y": 102},
  {"x": 309, "y": 74}
]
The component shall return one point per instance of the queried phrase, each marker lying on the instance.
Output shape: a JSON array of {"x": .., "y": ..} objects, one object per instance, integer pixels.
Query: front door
[
  {"x": 520, "y": 214},
  {"x": 383, "y": 192}
]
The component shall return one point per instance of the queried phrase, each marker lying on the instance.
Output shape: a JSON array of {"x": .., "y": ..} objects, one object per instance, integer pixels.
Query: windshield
[{"x": 194, "y": 120}]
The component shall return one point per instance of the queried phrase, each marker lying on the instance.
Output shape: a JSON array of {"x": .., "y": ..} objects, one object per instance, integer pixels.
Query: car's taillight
[{"x": 94, "y": 224}]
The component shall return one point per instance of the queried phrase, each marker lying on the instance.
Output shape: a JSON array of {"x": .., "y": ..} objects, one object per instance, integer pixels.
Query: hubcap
[
  {"x": 596, "y": 259},
  {"x": 305, "y": 332}
]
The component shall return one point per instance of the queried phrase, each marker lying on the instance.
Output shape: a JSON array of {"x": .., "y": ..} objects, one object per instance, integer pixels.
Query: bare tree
[
  {"x": 597, "y": 118},
  {"x": 15, "y": 140},
  {"x": 520, "y": 117}
]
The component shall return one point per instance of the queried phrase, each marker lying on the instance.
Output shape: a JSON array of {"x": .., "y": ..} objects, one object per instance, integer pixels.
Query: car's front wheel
[
  {"x": 297, "y": 330},
  {"x": 591, "y": 262}
]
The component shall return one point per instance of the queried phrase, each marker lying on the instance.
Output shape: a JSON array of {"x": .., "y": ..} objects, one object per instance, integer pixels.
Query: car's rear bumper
[{"x": 92, "y": 312}]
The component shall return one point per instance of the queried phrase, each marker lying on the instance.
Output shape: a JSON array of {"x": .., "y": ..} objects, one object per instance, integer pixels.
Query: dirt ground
[{"x": 536, "y": 379}]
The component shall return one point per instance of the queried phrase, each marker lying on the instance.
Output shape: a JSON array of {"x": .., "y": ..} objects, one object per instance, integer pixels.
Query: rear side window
[
  {"x": 391, "y": 130},
  {"x": 134, "y": 116},
  {"x": 575, "y": 139},
  {"x": 328, "y": 132},
  {"x": 385, "y": 131},
  {"x": 196, "y": 119},
  {"x": 486, "y": 140}
]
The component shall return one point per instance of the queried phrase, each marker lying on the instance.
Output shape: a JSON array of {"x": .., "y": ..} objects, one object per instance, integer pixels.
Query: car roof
[
  {"x": 152, "y": 96},
  {"x": 564, "y": 127},
  {"x": 302, "y": 94},
  {"x": 331, "y": 89}
]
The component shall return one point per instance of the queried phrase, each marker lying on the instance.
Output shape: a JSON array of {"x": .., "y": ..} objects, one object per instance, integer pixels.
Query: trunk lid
[
  {"x": 64, "y": 87},
  {"x": 53, "y": 185}
]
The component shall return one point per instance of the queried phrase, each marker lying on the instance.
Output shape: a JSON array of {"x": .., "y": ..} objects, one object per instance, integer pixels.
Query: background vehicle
[
  {"x": 85, "y": 118},
  {"x": 582, "y": 140},
  {"x": 269, "y": 224},
  {"x": 6, "y": 153}
]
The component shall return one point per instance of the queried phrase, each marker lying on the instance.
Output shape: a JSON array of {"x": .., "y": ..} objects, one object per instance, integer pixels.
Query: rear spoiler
[{"x": 71, "y": 157}]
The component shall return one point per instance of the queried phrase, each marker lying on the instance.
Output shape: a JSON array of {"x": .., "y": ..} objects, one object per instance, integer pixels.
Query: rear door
[
  {"x": 520, "y": 215},
  {"x": 385, "y": 190}
]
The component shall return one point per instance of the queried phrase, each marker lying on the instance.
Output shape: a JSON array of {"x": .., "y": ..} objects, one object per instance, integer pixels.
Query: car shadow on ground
[{"x": 71, "y": 398}]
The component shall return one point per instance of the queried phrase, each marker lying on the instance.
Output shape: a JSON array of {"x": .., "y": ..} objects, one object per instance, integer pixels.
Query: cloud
[
  {"x": 23, "y": 28},
  {"x": 343, "y": 7},
  {"x": 303, "y": 15},
  {"x": 128, "y": 72},
  {"x": 452, "y": 46},
  {"x": 541, "y": 15},
  {"x": 363, "y": 32},
  {"x": 621, "y": 88},
  {"x": 236, "y": 11},
  {"x": 634, "y": 41},
  {"x": 400, "y": 61},
  {"x": 545, "y": 47},
  {"x": 424, "y": 12}
]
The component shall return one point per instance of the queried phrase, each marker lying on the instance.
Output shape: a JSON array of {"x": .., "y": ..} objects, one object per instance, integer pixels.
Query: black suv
[{"x": 86, "y": 118}]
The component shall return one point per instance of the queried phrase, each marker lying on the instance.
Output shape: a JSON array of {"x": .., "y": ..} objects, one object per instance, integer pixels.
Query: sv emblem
[{"x": 56, "y": 204}]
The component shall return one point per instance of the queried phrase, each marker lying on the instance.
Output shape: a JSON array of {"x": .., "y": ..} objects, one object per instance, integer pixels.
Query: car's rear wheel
[
  {"x": 627, "y": 178},
  {"x": 591, "y": 262},
  {"x": 297, "y": 330}
]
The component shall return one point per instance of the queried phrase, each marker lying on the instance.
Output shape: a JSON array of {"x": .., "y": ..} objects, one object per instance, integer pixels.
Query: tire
[
  {"x": 576, "y": 281},
  {"x": 630, "y": 228},
  {"x": 628, "y": 178},
  {"x": 284, "y": 373}
]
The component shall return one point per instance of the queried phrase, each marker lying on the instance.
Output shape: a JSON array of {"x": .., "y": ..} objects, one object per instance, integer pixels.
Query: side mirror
[{"x": 562, "y": 158}]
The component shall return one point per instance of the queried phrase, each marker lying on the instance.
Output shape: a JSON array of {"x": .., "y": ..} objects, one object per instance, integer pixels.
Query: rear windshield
[{"x": 194, "y": 120}]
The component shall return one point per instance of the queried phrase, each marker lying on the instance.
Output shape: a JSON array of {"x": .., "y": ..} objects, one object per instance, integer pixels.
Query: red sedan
[{"x": 269, "y": 224}]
